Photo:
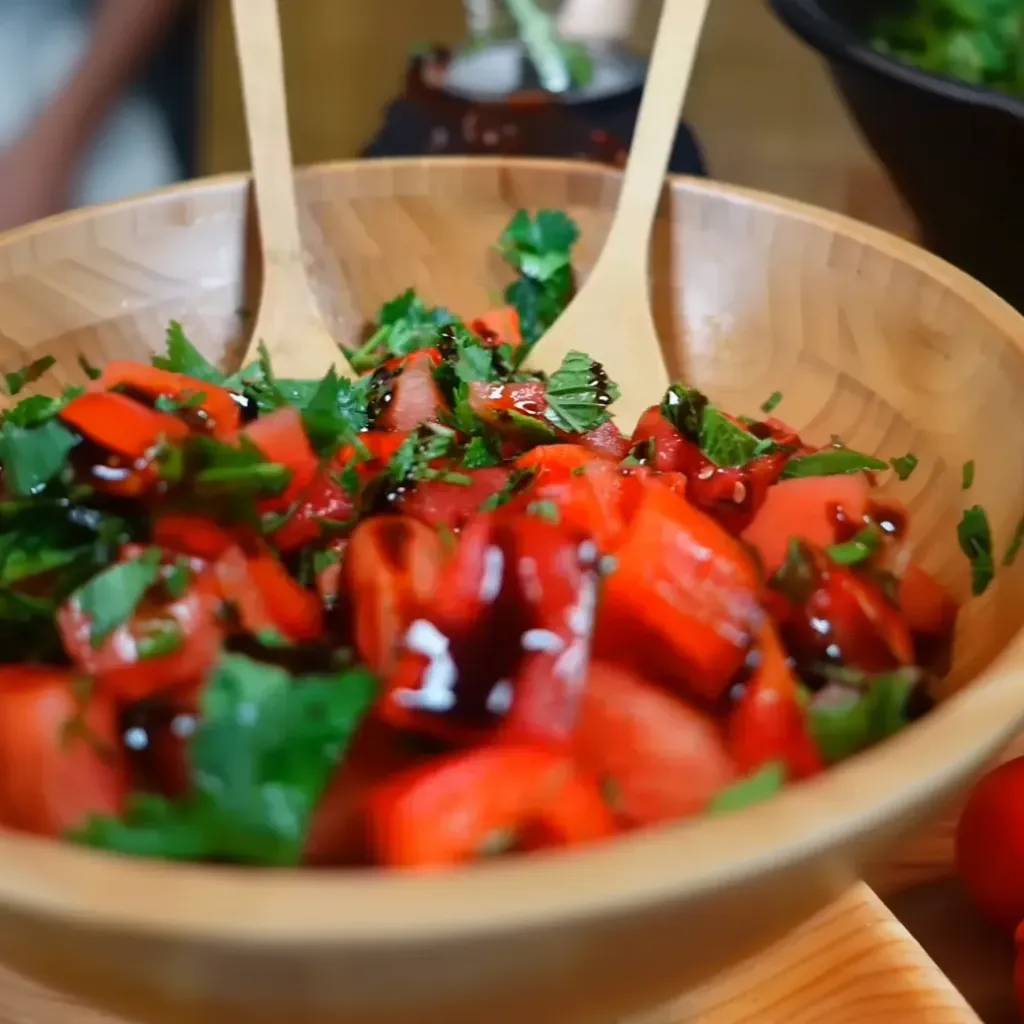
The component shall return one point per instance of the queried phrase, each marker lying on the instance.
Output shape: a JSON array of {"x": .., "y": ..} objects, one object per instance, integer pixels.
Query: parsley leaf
[
  {"x": 33, "y": 456},
  {"x": 183, "y": 357},
  {"x": 578, "y": 394},
  {"x": 264, "y": 749},
  {"x": 405, "y": 324},
  {"x": 974, "y": 535},
  {"x": 110, "y": 598},
  {"x": 18, "y": 380}
]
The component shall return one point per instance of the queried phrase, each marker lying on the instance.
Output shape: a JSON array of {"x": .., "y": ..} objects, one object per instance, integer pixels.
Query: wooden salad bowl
[{"x": 865, "y": 335}]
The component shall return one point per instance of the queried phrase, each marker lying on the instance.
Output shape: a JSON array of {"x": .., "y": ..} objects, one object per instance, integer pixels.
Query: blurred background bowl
[
  {"x": 954, "y": 150},
  {"x": 866, "y": 335}
]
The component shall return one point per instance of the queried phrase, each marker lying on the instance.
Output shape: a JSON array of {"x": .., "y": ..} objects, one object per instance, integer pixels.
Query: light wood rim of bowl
[{"x": 271, "y": 908}]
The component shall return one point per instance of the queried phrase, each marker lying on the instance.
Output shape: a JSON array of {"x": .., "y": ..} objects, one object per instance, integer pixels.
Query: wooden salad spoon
[
  {"x": 288, "y": 322},
  {"x": 610, "y": 318}
]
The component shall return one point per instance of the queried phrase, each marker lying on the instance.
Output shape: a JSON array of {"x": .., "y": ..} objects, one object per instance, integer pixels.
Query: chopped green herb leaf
[
  {"x": 754, "y": 789},
  {"x": 1013, "y": 548},
  {"x": 159, "y": 640},
  {"x": 18, "y": 380},
  {"x": 835, "y": 461},
  {"x": 967, "y": 475},
  {"x": 88, "y": 369},
  {"x": 264, "y": 748},
  {"x": 546, "y": 510},
  {"x": 183, "y": 357},
  {"x": 771, "y": 402},
  {"x": 904, "y": 465},
  {"x": 797, "y": 577},
  {"x": 726, "y": 443},
  {"x": 480, "y": 454},
  {"x": 845, "y": 720},
  {"x": 33, "y": 456},
  {"x": 578, "y": 394},
  {"x": 858, "y": 548},
  {"x": 110, "y": 598},
  {"x": 405, "y": 324},
  {"x": 974, "y": 535}
]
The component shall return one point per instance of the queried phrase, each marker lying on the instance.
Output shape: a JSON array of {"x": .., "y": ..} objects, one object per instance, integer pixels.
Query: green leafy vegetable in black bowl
[{"x": 977, "y": 41}]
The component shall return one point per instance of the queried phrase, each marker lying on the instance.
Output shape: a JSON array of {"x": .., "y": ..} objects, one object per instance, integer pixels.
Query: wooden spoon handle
[
  {"x": 675, "y": 50},
  {"x": 258, "y": 40}
]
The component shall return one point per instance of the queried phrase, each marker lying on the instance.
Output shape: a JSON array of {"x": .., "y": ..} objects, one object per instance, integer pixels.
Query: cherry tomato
[{"x": 990, "y": 844}]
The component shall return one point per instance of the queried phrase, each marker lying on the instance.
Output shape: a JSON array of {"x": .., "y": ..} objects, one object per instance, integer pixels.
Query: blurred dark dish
[
  {"x": 955, "y": 151},
  {"x": 431, "y": 119}
]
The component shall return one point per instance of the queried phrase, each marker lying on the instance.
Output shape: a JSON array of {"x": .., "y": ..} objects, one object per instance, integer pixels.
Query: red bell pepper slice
[
  {"x": 194, "y": 535},
  {"x": 390, "y": 571},
  {"x": 459, "y": 808},
  {"x": 267, "y": 598},
  {"x": 215, "y": 411},
  {"x": 119, "y": 424},
  {"x": 660, "y": 759},
  {"x": 499, "y": 327},
  {"x": 681, "y": 605},
  {"x": 768, "y": 722}
]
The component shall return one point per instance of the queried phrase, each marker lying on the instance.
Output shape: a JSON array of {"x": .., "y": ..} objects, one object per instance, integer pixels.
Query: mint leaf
[
  {"x": 183, "y": 357},
  {"x": 111, "y": 597},
  {"x": 836, "y": 461},
  {"x": 578, "y": 394},
  {"x": 725, "y": 443},
  {"x": 33, "y": 456}
]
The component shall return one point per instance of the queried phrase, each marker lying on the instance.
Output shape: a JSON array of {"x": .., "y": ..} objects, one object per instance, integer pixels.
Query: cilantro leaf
[
  {"x": 110, "y": 598},
  {"x": 405, "y": 324},
  {"x": 183, "y": 357},
  {"x": 578, "y": 394},
  {"x": 264, "y": 749},
  {"x": 974, "y": 535},
  {"x": 18, "y": 380},
  {"x": 33, "y": 456}
]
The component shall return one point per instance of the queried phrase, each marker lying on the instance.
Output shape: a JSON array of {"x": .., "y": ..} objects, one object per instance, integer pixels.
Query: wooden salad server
[
  {"x": 288, "y": 322},
  {"x": 610, "y": 318}
]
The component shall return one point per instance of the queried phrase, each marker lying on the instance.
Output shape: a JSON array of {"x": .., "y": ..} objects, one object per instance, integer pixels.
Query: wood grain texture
[
  {"x": 865, "y": 335},
  {"x": 850, "y": 964}
]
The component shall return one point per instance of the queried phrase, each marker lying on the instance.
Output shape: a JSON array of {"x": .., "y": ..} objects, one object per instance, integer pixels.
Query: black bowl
[{"x": 954, "y": 151}]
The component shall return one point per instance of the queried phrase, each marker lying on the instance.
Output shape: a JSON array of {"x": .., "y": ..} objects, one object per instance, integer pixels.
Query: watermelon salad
[{"x": 446, "y": 610}]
